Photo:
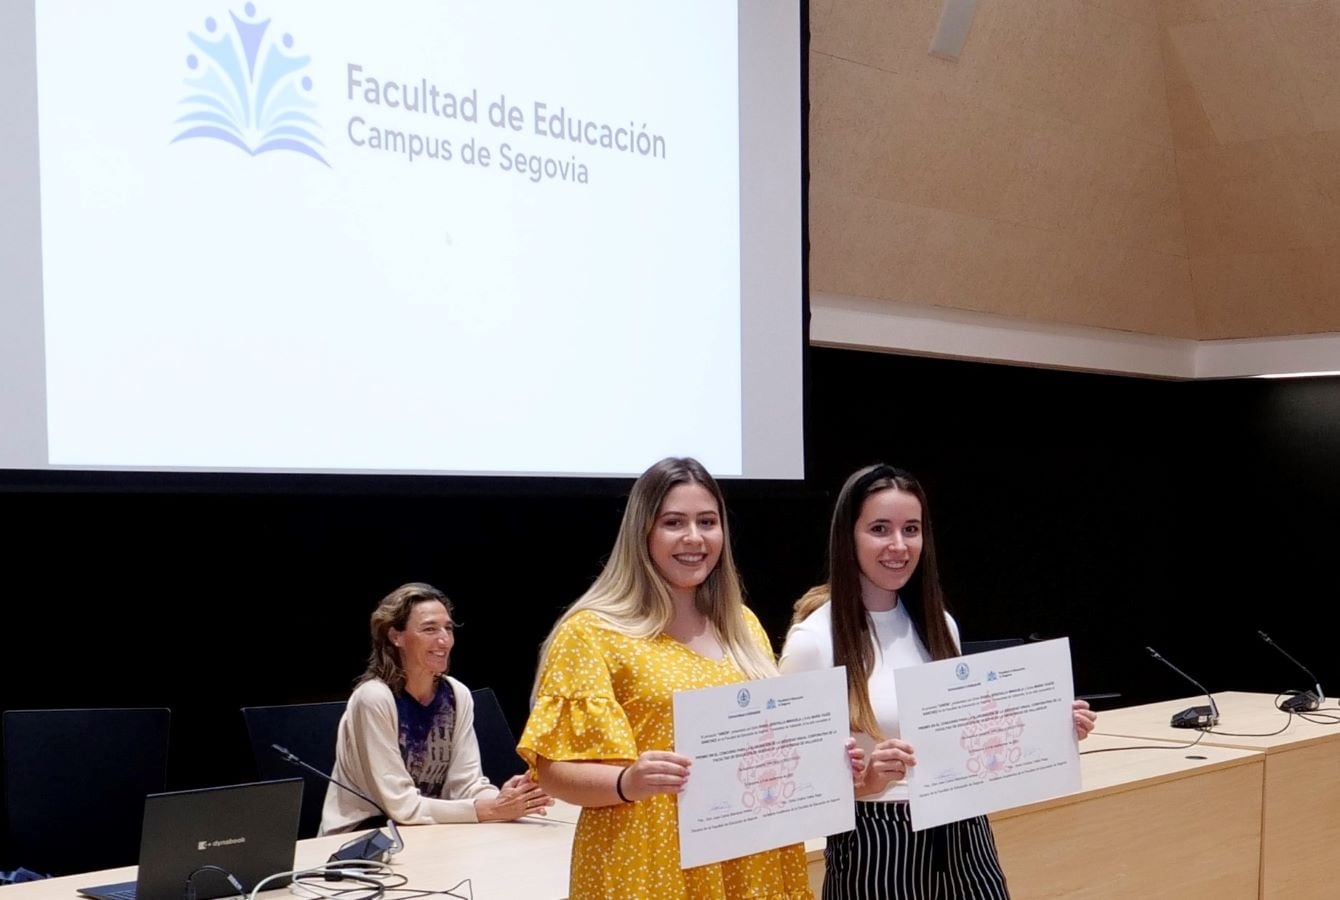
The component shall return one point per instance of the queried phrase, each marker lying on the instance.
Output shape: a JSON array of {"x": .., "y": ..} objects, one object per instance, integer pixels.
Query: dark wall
[
  {"x": 1050, "y": 493},
  {"x": 1266, "y": 535},
  {"x": 1121, "y": 512}
]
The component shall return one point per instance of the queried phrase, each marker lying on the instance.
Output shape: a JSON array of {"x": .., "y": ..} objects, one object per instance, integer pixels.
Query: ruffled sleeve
[{"x": 576, "y": 715}]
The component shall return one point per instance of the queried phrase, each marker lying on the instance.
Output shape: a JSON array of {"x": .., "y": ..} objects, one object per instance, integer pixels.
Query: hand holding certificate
[
  {"x": 991, "y": 731},
  {"x": 770, "y": 765}
]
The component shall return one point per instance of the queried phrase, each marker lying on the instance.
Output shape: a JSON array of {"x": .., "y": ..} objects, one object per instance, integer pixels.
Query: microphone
[
  {"x": 374, "y": 845},
  {"x": 1195, "y": 716},
  {"x": 1305, "y": 701}
]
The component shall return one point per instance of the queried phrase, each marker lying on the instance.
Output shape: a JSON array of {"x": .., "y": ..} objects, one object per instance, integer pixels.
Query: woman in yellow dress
[{"x": 666, "y": 614}]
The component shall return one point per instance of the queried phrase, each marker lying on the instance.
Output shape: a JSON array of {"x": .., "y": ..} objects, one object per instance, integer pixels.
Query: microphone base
[
  {"x": 1195, "y": 717},
  {"x": 375, "y": 846},
  {"x": 1304, "y": 702}
]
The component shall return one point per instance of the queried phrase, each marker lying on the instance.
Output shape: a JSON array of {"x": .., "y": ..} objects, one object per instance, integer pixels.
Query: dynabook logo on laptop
[
  {"x": 226, "y": 842},
  {"x": 255, "y": 828}
]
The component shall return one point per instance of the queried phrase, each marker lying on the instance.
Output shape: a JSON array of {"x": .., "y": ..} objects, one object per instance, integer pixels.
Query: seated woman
[{"x": 407, "y": 739}]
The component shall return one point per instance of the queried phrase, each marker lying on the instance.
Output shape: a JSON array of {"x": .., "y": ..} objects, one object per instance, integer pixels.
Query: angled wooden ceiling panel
[{"x": 1168, "y": 167}]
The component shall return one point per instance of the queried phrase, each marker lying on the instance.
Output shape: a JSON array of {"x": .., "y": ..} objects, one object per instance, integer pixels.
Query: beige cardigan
[{"x": 367, "y": 757}]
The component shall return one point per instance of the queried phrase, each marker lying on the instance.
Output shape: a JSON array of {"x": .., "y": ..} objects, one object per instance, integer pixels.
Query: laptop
[{"x": 248, "y": 830}]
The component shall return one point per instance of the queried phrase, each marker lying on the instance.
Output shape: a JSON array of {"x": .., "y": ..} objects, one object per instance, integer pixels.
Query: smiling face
[
  {"x": 425, "y": 643},
  {"x": 888, "y": 545},
  {"x": 686, "y": 538}
]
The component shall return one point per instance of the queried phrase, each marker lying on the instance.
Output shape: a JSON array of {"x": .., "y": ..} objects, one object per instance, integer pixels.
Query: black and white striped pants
[{"x": 884, "y": 858}]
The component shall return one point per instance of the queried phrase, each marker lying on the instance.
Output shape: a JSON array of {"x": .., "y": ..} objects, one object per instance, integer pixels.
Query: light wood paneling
[
  {"x": 1147, "y": 822},
  {"x": 1312, "y": 166},
  {"x": 1122, "y": 288},
  {"x": 1170, "y": 167},
  {"x": 1186, "y": 114},
  {"x": 1145, "y": 12},
  {"x": 1301, "y": 810},
  {"x": 1243, "y": 77},
  {"x": 1181, "y": 12},
  {"x": 1301, "y": 828},
  {"x": 1309, "y": 39},
  {"x": 1229, "y": 292},
  {"x": 1168, "y": 826},
  {"x": 900, "y": 252},
  {"x": 1239, "y": 199},
  {"x": 1033, "y": 178}
]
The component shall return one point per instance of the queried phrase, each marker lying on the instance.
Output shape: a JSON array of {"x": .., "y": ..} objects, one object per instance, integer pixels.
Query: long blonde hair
[{"x": 631, "y": 596}]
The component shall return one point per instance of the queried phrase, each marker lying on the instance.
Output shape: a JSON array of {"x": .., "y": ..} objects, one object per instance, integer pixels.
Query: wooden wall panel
[
  {"x": 1035, "y": 178},
  {"x": 1168, "y": 167}
]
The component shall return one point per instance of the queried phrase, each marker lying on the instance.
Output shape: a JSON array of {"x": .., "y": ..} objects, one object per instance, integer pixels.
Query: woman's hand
[
  {"x": 856, "y": 756},
  {"x": 1085, "y": 719},
  {"x": 519, "y": 796},
  {"x": 890, "y": 762},
  {"x": 655, "y": 772}
]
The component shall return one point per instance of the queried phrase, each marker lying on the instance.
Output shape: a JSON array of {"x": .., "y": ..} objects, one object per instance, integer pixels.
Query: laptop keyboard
[{"x": 123, "y": 894}]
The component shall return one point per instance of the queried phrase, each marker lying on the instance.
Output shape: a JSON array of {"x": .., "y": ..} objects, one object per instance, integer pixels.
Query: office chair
[
  {"x": 75, "y": 782},
  {"x": 1099, "y": 700},
  {"x": 497, "y": 747},
  {"x": 309, "y": 731},
  {"x": 995, "y": 644}
]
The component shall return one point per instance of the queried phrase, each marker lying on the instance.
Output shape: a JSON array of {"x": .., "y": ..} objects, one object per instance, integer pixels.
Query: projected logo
[{"x": 249, "y": 89}]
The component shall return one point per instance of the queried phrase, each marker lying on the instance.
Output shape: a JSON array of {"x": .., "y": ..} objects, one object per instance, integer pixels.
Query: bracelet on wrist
[{"x": 618, "y": 785}]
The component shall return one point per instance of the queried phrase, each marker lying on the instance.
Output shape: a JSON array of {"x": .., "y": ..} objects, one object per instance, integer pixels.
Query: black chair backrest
[
  {"x": 308, "y": 730},
  {"x": 497, "y": 747},
  {"x": 997, "y": 644},
  {"x": 75, "y": 783}
]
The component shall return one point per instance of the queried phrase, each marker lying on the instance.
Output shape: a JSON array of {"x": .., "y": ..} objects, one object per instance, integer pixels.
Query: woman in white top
[
  {"x": 883, "y": 609},
  {"x": 407, "y": 739}
]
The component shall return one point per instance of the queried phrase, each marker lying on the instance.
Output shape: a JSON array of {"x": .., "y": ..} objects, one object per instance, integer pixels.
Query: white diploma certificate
[
  {"x": 770, "y": 765},
  {"x": 991, "y": 731}
]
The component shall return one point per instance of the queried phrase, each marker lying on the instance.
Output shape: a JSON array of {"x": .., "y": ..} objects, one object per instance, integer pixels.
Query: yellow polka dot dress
[{"x": 604, "y": 695}]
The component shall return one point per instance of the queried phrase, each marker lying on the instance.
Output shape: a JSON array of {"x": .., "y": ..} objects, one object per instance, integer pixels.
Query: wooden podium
[
  {"x": 1149, "y": 821},
  {"x": 1300, "y": 824}
]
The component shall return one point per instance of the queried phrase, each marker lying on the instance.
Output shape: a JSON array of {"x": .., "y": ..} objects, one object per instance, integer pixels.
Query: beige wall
[{"x": 1168, "y": 167}]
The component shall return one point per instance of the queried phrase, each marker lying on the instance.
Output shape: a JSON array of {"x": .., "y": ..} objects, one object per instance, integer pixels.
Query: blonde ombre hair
[{"x": 632, "y": 597}]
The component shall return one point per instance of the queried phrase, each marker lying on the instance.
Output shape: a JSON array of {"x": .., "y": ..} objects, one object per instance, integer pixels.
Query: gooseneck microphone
[
  {"x": 1195, "y": 716},
  {"x": 1305, "y": 701},
  {"x": 374, "y": 845}
]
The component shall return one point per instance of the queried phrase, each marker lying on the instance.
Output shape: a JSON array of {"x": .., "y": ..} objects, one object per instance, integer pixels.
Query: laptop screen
[{"x": 247, "y": 830}]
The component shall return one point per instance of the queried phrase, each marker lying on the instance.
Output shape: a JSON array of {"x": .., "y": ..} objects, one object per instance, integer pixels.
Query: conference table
[
  {"x": 1153, "y": 818},
  {"x": 1146, "y": 823},
  {"x": 523, "y": 860},
  {"x": 1300, "y": 817},
  {"x": 1150, "y": 820}
]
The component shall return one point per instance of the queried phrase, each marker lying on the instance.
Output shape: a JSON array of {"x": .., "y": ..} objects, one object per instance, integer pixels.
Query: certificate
[
  {"x": 991, "y": 731},
  {"x": 770, "y": 765}
]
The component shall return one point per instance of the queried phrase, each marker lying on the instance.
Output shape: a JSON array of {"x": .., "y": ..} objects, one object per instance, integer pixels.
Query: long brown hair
[
  {"x": 393, "y": 612},
  {"x": 922, "y": 596},
  {"x": 631, "y": 595}
]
